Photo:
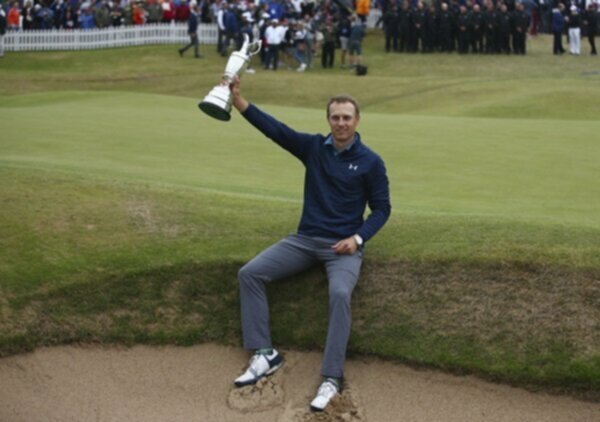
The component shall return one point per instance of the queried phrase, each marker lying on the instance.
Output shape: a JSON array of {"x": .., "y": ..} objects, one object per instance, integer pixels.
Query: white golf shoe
[
  {"x": 260, "y": 366},
  {"x": 327, "y": 390}
]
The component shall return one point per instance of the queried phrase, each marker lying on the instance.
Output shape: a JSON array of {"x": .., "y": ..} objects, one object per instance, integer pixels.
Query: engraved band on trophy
[{"x": 217, "y": 103}]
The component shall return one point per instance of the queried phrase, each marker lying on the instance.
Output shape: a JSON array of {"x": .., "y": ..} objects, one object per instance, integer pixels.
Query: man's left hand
[{"x": 346, "y": 246}]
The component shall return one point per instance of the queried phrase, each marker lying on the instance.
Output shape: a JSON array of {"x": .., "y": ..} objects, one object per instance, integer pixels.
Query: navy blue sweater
[{"x": 337, "y": 188}]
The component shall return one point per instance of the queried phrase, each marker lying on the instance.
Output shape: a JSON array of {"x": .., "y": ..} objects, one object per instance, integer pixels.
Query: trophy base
[{"x": 215, "y": 111}]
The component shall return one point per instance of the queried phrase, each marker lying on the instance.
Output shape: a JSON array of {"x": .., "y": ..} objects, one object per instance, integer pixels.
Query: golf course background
[{"x": 126, "y": 212}]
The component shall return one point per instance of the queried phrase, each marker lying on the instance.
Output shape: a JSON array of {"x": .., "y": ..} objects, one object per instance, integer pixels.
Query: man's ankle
[
  {"x": 335, "y": 381},
  {"x": 264, "y": 351}
]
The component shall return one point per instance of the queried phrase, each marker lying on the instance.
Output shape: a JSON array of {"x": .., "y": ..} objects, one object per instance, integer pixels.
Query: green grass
[{"x": 126, "y": 212}]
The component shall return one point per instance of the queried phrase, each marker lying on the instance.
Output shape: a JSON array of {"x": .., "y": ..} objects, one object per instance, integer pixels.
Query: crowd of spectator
[
  {"x": 293, "y": 31},
  {"x": 69, "y": 14},
  {"x": 296, "y": 31},
  {"x": 572, "y": 21},
  {"x": 72, "y": 14},
  {"x": 294, "y": 35},
  {"x": 477, "y": 26}
]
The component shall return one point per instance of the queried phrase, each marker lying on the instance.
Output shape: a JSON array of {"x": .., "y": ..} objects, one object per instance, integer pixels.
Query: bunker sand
[{"x": 195, "y": 384}]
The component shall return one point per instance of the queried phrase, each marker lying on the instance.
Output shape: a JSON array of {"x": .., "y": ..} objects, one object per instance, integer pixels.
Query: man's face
[{"x": 343, "y": 122}]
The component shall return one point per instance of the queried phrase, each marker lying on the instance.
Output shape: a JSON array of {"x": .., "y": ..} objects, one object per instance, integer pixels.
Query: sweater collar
[{"x": 336, "y": 152}]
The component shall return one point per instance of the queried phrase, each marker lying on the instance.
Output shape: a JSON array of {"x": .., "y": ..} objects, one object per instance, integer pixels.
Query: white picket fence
[{"x": 125, "y": 36}]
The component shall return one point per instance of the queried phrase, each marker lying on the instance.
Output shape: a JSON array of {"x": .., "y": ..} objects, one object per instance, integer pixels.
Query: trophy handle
[
  {"x": 250, "y": 49},
  {"x": 255, "y": 48},
  {"x": 245, "y": 48}
]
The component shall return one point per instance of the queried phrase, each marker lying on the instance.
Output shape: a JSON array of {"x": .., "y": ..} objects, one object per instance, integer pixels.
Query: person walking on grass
[
  {"x": 342, "y": 177},
  {"x": 193, "y": 33}
]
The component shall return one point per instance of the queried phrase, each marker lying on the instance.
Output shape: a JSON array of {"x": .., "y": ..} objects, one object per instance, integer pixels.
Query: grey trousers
[
  {"x": 290, "y": 256},
  {"x": 193, "y": 43}
]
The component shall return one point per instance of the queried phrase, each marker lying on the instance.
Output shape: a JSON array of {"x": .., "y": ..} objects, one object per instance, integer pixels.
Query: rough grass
[{"x": 533, "y": 326}]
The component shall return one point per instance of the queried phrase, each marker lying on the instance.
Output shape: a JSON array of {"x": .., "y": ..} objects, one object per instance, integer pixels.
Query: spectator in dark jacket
[
  {"x": 520, "y": 25},
  {"x": 28, "y": 15},
  {"x": 464, "y": 24},
  {"x": 504, "y": 29},
  {"x": 193, "y": 33},
  {"x": 445, "y": 29},
  {"x": 390, "y": 27},
  {"x": 232, "y": 29},
  {"x": 590, "y": 18},
  {"x": 558, "y": 25},
  {"x": 58, "y": 9},
  {"x": 44, "y": 17},
  {"x": 490, "y": 19},
  {"x": 418, "y": 27},
  {"x": 477, "y": 29},
  {"x": 329, "y": 31},
  {"x": 69, "y": 18},
  {"x": 116, "y": 15},
  {"x": 404, "y": 19},
  {"x": 431, "y": 29}
]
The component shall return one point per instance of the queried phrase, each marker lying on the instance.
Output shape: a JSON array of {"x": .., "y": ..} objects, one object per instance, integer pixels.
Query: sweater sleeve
[
  {"x": 378, "y": 200},
  {"x": 295, "y": 142}
]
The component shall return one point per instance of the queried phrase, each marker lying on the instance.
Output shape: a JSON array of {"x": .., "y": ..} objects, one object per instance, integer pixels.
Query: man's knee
[
  {"x": 340, "y": 294},
  {"x": 246, "y": 274},
  {"x": 249, "y": 274}
]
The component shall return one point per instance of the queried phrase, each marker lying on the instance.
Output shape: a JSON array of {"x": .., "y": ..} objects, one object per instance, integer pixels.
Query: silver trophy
[{"x": 217, "y": 103}]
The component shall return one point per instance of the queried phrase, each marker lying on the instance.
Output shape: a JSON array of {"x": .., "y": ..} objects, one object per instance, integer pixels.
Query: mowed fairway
[{"x": 126, "y": 211}]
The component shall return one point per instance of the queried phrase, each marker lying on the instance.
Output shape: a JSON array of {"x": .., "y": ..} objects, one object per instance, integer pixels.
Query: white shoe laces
[
  {"x": 327, "y": 389},
  {"x": 253, "y": 365}
]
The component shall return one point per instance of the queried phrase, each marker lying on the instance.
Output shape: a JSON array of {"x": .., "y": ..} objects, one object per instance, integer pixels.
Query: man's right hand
[
  {"x": 238, "y": 102},
  {"x": 346, "y": 246}
]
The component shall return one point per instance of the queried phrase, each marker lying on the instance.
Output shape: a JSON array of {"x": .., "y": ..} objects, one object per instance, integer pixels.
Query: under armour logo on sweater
[{"x": 353, "y": 167}]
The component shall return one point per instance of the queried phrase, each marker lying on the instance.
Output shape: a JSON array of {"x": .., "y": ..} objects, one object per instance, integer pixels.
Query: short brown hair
[{"x": 343, "y": 98}]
